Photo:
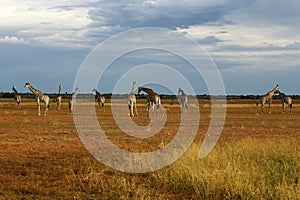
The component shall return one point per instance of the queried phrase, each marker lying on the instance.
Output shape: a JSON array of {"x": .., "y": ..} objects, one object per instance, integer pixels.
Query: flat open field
[{"x": 256, "y": 157}]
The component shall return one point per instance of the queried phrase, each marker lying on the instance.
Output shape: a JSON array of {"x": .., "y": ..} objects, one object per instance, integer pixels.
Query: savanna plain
[{"x": 256, "y": 157}]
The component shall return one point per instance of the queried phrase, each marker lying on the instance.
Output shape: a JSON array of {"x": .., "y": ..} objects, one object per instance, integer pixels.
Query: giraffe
[
  {"x": 58, "y": 98},
  {"x": 285, "y": 100},
  {"x": 267, "y": 98},
  {"x": 101, "y": 98},
  {"x": 40, "y": 97},
  {"x": 17, "y": 97},
  {"x": 152, "y": 100},
  {"x": 183, "y": 99},
  {"x": 72, "y": 100},
  {"x": 132, "y": 101}
]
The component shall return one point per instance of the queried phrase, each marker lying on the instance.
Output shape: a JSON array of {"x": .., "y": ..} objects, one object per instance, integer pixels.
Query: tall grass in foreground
[{"x": 245, "y": 169}]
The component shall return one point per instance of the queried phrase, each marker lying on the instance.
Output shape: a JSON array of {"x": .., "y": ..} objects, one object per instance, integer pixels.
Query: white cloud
[
  {"x": 62, "y": 22},
  {"x": 13, "y": 40},
  {"x": 243, "y": 35},
  {"x": 262, "y": 37}
]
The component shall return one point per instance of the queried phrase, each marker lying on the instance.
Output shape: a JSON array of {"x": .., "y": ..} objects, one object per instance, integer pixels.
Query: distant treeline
[{"x": 142, "y": 96}]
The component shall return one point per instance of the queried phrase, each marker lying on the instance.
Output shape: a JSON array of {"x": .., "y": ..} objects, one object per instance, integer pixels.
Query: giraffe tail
[{"x": 258, "y": 102}]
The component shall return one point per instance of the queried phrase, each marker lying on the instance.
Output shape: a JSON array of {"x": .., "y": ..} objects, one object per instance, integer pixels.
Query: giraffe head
[
  {"x": 278, "y": 92},
  {"x": 27, "y": 85},
  {"x": 94, "y": 89},
  {"x": 133, "y": 86},
  {"x": 139, "y": 90},
  {"x": 179, "y": 90},
  {"x": 13, "y": 87}
]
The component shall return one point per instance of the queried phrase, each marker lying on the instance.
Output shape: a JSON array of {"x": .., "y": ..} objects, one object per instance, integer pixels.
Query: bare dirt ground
[{"x": 41, "y": 155}]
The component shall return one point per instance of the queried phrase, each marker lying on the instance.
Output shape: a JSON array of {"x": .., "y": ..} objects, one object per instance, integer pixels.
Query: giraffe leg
[
  {"x": 161, "y": 110},
  {"x": 148, "y": 108},
  {"x": 46, "y": 109},
  {"x": 181, "y": 108},
  {"x": 131, "y": 109},
  {"x": 39, "y": 106},
  {"x": 39, "y": 109},
  {"x": 136, "y": 113},
  {"x": 269, "y": 108}
]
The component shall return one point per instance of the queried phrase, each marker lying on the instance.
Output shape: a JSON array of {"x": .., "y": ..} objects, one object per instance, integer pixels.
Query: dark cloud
[
  {"x": 240, "y": 48},
  {"x": 266, "y": 13},
  {"x": 45, "y": 67},
  {"x": 209, "y": 40},
  {"x": 170, "y": 14},
  {"x": 222, "y": 32}
]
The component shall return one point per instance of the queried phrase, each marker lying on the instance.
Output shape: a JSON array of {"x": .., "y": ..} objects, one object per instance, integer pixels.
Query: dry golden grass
[{"x": 257, "y": 157}]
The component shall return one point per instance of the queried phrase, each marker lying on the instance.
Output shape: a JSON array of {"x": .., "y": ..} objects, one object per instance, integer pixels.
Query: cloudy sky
[{"x": 254, "y": 44}]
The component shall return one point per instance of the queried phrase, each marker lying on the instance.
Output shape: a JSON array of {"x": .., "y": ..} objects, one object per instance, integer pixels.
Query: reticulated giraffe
[
  {"x": 153, "y": 99},
  {"x": 285, "y": 100},
  {"x": 40, "y": 97},
  {"x": 132, "y": 101},
  {"x": 183, "y": 100},
  {"x": 267, "y": 98},
  {"x": 18, "y": 97},
  {"x": 58, "y": 98},
  {"x": 72, "y": 100},
  {"x": 100, "y": 98}
]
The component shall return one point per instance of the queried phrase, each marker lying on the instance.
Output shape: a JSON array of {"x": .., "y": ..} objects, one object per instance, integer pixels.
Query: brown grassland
[{"x": 256, "y": 157}]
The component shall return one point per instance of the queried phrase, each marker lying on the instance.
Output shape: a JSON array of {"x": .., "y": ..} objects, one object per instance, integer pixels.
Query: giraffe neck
[
  {"x": 98, "y": 93},
  {"x": 59, "y": 90},
  {"x": 147, "y": 90},
  {"x": 181, "y": 92},
  {"x": 75, "y": 93},
  {"x": 16, "y": 92},
  {"x": 272, "y": 92},
  {"x": 132, "y": 90},
  {"x": 282, "y": 95},
  {"x": 34, "y": 91}
]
